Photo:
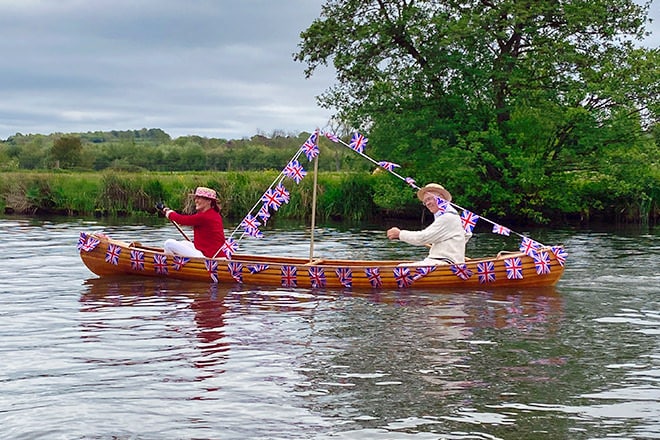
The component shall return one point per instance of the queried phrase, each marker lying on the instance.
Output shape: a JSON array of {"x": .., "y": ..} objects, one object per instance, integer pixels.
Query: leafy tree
[
  {"x": 497, "y": 97},
  {"x": 66, "y": 152}
]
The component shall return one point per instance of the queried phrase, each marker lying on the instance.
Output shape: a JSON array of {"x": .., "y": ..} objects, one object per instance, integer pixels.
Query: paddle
[{"x": 161, "y": 207}]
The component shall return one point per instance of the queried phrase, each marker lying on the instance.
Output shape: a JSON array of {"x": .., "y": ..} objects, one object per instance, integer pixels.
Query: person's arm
[
  {"x": 187, "y": 220},
  {"x": 434, "y": 233}
]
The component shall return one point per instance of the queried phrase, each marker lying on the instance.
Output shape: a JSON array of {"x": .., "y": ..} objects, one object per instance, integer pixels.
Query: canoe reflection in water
[
  {"x": 522, "y": 309},
  {"x": 438, "y": 344}
]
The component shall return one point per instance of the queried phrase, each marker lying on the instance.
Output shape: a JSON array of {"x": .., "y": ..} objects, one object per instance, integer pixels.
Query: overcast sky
[{"x": 213, "y": 68}]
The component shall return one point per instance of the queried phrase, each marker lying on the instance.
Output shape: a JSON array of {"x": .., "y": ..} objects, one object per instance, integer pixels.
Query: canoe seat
[{"x": 503, "y": 254}]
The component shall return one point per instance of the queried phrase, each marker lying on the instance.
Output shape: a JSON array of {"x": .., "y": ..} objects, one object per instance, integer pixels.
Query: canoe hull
[{"x": 108, "y": 257}]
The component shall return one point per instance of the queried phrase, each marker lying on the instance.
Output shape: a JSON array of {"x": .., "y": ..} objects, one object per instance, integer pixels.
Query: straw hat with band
[
  {"x": 434, "y": 189},
  {"x": 207, "y": 193}
]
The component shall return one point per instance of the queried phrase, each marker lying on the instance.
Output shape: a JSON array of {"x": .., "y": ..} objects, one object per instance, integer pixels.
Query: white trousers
[
  {"x": 428, "y": 261},
  {"x": 183, "y": 248}
]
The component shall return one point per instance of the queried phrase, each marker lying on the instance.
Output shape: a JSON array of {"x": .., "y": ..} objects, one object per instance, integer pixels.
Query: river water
[{"x": 89, "y": 358}]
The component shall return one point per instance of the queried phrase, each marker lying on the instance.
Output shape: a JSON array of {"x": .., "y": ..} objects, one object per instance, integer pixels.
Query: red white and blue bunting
[
  {"x": 289, "y": 276},
  {"x": 212, "y": 269},
  {"x": 87, "y": 243},
  {"x": 160, "y": 264},
  {"x": 137, "y": 260},
  {"x": 317, "y": 277},
  {"x": 178, "y": 262},
  {"x": 278, "y": 195},
  {"x": 236, "y": 271}
]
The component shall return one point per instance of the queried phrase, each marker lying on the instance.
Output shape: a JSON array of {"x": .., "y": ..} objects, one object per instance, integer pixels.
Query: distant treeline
[{"x": 154, "y": 150}]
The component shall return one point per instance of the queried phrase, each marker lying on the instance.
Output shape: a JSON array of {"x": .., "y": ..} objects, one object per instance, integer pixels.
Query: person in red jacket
[{"x": 208, "y": 230}]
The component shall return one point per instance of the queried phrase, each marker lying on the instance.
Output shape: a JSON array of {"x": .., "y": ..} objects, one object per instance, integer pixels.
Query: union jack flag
[
  {"x": 389, "y": 166},
  {"x": 529, "y": 246},
  {"x": 256, "y": 268},
  {"x": 373, "y": 274},
  {"x": 403, "y": 277},
  {"x": 331, "y": 136},
  {"x": 137, "y": 260},
  {"x": 443, "y": 205},
  {"x": 282, "y": 193},
  {"x": 82, "y": 239},
  {"x": 422, "y": 271},
  {"x": 310, "y": 147},
  {"x": 229, "y": 247},
  {"x": 295, "y": 171},
  {"x": 264, "y": 214},
  {"x": 317, "y": 277},
  {"x": 289, "y": 276},
  {"x": 212, "y": 269},
  {"x": 499, "y": 229},
  {"x": 542, "y": 263},
  {"x": 513, "y": 268},
  {"x": 160, "y": 264},
  {"x": 256, "y": 233},
  {"x": 112, "y": 254},
  {"x": 486, "y": 272},
  {"x": 90, "y": 243},
  {"x": 345, "y": 276},
  {"x": 179, "y": 262},
  {"x": 358, "y": 142},
  {"x": 411, "y": 182},
  {"x": 461, "y": 271},
  {"x": 250, "y": 222},
  {"x": 560, "y": 254},
  {"x": 271, "y": 199},
  {"x": 236, "y": 271},
  {"x": 469, "y": 220}
]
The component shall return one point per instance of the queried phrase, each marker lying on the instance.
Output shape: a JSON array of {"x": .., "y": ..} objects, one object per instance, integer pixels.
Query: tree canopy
[{"x": 515, "y": 102}]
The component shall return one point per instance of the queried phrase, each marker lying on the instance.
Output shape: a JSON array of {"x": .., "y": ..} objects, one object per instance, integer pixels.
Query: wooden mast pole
[{"x": 313, "y": 223}]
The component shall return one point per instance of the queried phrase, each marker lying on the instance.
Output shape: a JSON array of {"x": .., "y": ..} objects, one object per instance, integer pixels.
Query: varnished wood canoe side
[{"x": 201, "y": 269}]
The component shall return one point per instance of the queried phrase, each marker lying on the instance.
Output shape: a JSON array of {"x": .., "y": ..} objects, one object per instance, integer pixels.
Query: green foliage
[
  {"x": 118, "y": 194},
  {"x": 73, "y": 194},
  {"x": 66, "y": 152},
  {"x": 536, "y": 111},
  {"x": 153, "y": 150},
  {"x": 351, "y": 199},
  {"x": 389, "y": 194},
  {"x": 509, "y": 104}
]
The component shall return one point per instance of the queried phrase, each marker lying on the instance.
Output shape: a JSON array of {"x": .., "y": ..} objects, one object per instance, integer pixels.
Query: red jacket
[{"x": 208, "y": 231}]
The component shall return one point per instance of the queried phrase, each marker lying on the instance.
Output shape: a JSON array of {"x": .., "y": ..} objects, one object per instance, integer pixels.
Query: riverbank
[
  {"x": 346, "y": 196},
  {"x": 343, "y": 196}
]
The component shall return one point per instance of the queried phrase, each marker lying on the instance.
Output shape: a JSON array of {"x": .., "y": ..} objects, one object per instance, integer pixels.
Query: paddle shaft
[{"x": 180, "y": 230}]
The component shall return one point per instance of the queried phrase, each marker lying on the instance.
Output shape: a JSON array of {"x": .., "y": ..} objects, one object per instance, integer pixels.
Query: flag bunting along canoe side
[{"x": 105, "y": 256}]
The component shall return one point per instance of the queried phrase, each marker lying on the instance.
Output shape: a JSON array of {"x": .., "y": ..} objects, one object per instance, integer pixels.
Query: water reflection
[
  {"x": 363, "y": 353},
  {"x": 363, "y": 357},
  {"x": 427, "y": 355},
  {"x": 148, "y": 295}
]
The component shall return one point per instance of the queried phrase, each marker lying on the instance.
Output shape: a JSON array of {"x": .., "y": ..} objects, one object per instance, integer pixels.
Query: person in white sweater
[{"x": 445, "y": 235}]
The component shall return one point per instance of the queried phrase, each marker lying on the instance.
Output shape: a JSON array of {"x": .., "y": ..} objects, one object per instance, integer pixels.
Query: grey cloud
[{"x": 216, "y": 68}]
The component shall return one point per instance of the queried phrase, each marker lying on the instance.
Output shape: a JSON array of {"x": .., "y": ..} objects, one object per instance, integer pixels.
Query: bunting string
[
  {"x": 358, "y": 144},
  {"x": 276, "y": 195}
]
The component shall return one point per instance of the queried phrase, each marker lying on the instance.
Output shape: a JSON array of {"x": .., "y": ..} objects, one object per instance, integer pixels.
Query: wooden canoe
[{"x": 105, "y": 256}]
